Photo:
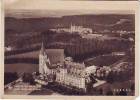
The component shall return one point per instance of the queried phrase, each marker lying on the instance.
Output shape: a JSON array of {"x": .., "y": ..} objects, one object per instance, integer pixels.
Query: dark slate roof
[{"x": 55, "y": 55}]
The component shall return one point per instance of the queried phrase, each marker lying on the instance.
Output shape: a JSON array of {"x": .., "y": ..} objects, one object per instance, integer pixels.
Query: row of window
[{"x": 70, "y": 80}]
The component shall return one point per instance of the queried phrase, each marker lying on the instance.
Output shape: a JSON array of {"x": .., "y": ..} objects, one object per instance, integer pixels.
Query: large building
[
  {"x": 74, "y": 29},
  {"x": 49, "y": 58},
  {"x": 71, "y": 75},
  {"x": 79, "y": 29},
  {"x": 67, "y": 73}
]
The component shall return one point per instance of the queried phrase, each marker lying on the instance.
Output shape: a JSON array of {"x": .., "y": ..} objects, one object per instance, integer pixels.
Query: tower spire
[{"x": 42, "y": 48}]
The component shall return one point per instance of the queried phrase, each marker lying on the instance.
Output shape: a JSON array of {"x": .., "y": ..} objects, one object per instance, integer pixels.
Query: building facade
[
  {"x": 44, "y": 62},
  {"x": 79, "y": 29},
  {"x": 66, "y": 72},
  {"x": 74, "y": 29},
  {"x": 72, "y": 77}
]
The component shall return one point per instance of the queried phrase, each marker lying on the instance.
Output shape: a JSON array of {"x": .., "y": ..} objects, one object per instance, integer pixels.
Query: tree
[
  {"x": 20, "y": 43},
  {"x": 37, "y": 73},
  {"x": 28, "y": 78},
  {"x": 132, "y": 87},
  {"x": 109, "y": 93},
  {"x": 9, "y": 77},
  {"x": 101, "y": 91},
  {"x": 122, "y": 93},
  {"x": 110, "y": 77}
]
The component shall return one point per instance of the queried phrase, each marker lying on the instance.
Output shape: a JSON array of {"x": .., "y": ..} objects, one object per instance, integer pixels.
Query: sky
[{"x": 82, "y": 7}]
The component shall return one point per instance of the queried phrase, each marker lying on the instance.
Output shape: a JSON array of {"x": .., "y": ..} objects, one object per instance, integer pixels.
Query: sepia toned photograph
[
  {"x": 102, "y": 0},
  {"x": 68, "y": 52}
]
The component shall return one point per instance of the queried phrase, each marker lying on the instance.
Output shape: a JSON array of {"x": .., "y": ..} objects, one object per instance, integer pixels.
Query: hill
[{"x": 41, "y": 24}]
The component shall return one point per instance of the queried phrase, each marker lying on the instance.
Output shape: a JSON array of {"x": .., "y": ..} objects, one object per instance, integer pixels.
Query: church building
[{"x": 48, "y": 60}]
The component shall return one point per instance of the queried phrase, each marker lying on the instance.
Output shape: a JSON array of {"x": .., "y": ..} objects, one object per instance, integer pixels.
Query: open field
[
  {"x": 33, "y": 54},
  {"x": 21, "y": 67},
  {"x": 103, "y": 60}
]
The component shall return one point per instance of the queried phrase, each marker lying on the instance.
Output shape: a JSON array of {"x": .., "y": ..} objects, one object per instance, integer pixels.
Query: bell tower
[{"x": 44, "y": 61}]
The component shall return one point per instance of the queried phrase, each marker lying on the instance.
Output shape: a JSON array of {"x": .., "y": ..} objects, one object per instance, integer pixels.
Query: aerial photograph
[{"x": 69, "y": 52}]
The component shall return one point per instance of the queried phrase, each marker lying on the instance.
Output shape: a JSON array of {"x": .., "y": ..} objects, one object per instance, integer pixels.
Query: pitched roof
[{"x": 55, "y": 55}]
